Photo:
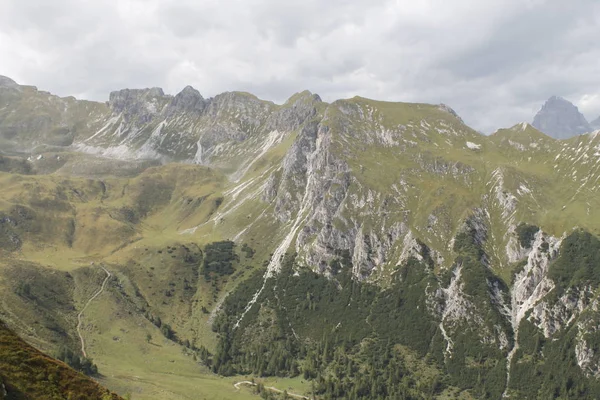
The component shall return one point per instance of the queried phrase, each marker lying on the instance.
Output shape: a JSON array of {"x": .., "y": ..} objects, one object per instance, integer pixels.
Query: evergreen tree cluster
[
  {"x": 526, "y": 234},
  {"x": 165, "y": 328},
  {"x": 78, "y": 363},
  {"x": 218, "y": 259}
]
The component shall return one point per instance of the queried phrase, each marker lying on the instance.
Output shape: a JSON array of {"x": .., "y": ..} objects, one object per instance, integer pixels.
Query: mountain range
[{"x": 353, "y": 249}]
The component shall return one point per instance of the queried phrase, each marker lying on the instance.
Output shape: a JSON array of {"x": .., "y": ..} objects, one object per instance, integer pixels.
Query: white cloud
[{"x": 494, "y": 61}]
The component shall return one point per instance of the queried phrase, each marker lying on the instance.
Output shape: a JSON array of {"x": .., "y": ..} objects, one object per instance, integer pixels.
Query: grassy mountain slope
[{"x": 26, "y": 373}]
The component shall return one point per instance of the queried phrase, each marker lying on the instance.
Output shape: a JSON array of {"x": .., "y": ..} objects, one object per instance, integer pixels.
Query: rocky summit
[
  {"x": 560, "y": 119},
  {"x": 229, "y": 247}
]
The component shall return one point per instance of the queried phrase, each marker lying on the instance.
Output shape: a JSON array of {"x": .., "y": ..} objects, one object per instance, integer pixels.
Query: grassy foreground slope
[
  {"x": 27, "y": 373},
  {"x": 55, "y": 231}
]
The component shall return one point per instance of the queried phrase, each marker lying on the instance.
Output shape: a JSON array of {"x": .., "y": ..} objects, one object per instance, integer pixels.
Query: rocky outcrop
[
  {"x": 135, "y": 101},
  {"x": 532, "y": 284},
  {"x": 6, "y": 82},
  {"x": 449, "y": 110},
  {"x": 188, "y": 100},
  {"x": 327, "y": 182},
  {"x": 553, "y": 317},
  {"x": 560, "y": 119},
  {"x": 595, "y": 124},
  {"x": 452, "y": 307},
  {"x": 299, "y": 109},
  {"x": 587, "y": 359},
  {"x": 588, "y": 329}
]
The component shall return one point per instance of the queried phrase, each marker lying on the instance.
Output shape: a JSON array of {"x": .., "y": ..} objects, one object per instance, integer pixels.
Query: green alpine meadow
[{"x": 159, "y": 246}]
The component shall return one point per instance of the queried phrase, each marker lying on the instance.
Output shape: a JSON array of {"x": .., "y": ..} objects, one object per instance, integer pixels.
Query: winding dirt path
[
  {"x": 271, "y": 388},
  {"x": 80, "y": 315}
]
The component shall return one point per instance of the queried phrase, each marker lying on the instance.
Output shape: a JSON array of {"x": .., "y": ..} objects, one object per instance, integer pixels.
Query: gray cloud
[{"x": 494, "y": 61}]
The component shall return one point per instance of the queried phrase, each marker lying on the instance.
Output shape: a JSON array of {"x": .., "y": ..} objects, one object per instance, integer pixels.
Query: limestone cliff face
[
  {"x": 595, "y": 124},
  {"x": 560, "y": 119},
  {"x": 343, "y": 212},
  {"x": 587, "y": 355},
  {"x": 532, "y": 284}
]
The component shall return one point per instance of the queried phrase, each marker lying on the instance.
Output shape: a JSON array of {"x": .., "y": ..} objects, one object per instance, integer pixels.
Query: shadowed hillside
[{"x": 26, "y": 373}]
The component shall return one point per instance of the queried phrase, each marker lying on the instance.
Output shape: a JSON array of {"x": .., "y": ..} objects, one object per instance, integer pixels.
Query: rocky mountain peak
[
  {"x": 124, "y": 98},
  {"x": 449, "y": 110},
  {"x": 304, "y": 96},
  {"x": 189, "y": 99},
  {"x": 244, "y": 105},
  {"x": 526, "y": 128},
  {"x": 189, "y": 92},
  {"x": 7, "y": 82},
  {"x": 560, "y": 119},
  {"x": 523, "y": 137},
  {"x": 523, "y": 126}
]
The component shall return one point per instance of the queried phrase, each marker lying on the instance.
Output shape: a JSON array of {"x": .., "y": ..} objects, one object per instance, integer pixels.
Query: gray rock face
[
  {"x": 7, "y": 82},
  {"x": 560, "y": 119},
  {"x": 595, "y": 124},
  {"x": 189, "y": 99},
  {"x": 138, "y": 104},
  {"x": 449, "y": 110},
  {"x": 299, "y": 108}
]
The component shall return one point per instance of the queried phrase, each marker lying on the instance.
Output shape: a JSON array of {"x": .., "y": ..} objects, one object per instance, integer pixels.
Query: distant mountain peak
[
  {"x": 524, "y": 126},
  {"x": 560, "y": 119},
  {"x": 522, "y": 133},
  {"x": 305, "y": 95}
]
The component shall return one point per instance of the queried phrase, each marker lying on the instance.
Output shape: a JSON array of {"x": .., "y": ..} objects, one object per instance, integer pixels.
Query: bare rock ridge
[
  {"x": 448, "y": 109},
  {"x": 228, "y": 131},
  {"x": 560, "y": 119},
  {"x": 189, "y": 99},
  {"x": 7, "y": 82},
  {"x": 595, "y": 124}
]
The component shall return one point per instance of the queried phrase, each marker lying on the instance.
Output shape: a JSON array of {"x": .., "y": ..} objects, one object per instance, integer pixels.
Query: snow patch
[{"x": 523, "y": 190}]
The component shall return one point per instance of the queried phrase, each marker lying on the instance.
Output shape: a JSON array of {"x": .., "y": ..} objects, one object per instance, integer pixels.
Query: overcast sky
[{"x": 493, "y": 61}]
